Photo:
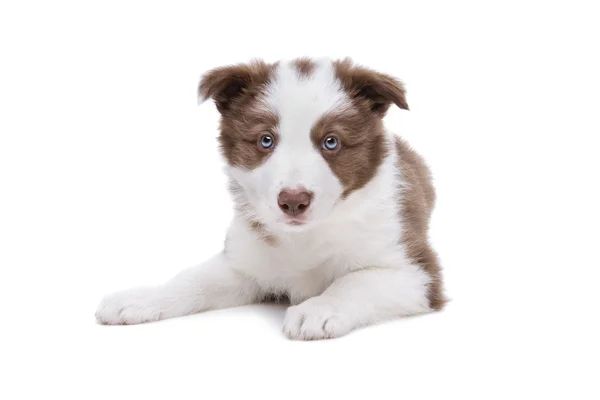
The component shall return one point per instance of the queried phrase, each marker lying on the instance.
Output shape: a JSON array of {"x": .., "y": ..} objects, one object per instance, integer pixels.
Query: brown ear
[
  {"x": 227, "y": 84},
  {"x": 377, "y": 89}
]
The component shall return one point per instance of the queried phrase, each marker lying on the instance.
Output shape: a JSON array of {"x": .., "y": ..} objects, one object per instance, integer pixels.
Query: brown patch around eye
[
  {"x": 361, "y": 146},
  {"x": 240, "y": 137},
  {"x": 237, "y": 90}
]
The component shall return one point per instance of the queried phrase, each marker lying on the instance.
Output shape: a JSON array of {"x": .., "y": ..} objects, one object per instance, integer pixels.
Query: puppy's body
[{"x": 353, "y": 250}]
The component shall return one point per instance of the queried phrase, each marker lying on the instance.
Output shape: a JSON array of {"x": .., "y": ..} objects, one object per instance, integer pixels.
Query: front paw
[
  {"x": 314, "y": 319},
  {"x": 134, "y": 306}
]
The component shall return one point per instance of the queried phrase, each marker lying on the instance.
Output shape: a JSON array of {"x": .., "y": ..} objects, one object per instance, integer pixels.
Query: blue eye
[
  {"x": 267, "y": 142},
  {"x": 330, "y": 143}
]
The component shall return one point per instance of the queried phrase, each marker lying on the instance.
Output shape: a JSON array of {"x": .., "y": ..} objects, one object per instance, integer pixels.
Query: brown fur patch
[
  {"x": 370, "y": 90},
  {"x": 260, "y": 228},
  {"x": 418, "y": 200},
  {"x": 231, "y": 87},
  {"x": 305, "y": 66},
  {"x": 361, "y": 148},
  {"x": 241, "y": 133}
]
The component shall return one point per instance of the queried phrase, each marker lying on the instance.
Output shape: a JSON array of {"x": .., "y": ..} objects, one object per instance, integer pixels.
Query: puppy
[{"x": 331, "y": 209}]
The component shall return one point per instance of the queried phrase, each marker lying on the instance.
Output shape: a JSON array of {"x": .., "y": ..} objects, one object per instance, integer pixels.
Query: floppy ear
[
  {"x": 378, "y": 90},
  {"x": 227, "y": 84}
]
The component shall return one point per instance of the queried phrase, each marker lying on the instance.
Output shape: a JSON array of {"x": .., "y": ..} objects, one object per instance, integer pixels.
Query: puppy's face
[{"x": 299, "y": 137}]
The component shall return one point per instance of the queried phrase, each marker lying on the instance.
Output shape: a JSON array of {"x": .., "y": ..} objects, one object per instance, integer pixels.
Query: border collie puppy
[{"x": 331, "y": 209}]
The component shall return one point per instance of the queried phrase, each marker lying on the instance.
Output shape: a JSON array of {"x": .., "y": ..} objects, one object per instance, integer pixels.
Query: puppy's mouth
[{"x": 294, "y": 222}]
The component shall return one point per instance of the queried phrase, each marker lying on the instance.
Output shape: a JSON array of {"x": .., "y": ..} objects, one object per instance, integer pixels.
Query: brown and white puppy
[{"x": 332, "y": 210}]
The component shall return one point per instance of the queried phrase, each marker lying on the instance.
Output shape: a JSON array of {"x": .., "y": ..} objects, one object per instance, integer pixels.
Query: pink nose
[{"x": 294, "y": 202}]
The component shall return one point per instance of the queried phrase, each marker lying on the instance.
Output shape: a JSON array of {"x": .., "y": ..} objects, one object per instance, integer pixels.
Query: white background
[{"x": 110, "y": 178}]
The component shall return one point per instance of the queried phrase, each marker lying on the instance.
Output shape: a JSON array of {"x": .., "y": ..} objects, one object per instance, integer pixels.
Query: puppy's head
[{"x": 300, "y": 136}]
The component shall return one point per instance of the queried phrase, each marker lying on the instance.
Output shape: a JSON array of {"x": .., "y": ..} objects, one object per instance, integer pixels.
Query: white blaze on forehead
[{"x": 301, "y": 100}]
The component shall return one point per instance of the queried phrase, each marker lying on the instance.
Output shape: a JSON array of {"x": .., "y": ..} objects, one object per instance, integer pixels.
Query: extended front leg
[
  {"x": 359, "y": 298},
  {"x": 212, "y": 285}
]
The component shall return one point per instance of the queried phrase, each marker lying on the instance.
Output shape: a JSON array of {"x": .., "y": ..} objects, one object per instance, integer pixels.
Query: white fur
[{"x": 343, "y": 269}]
